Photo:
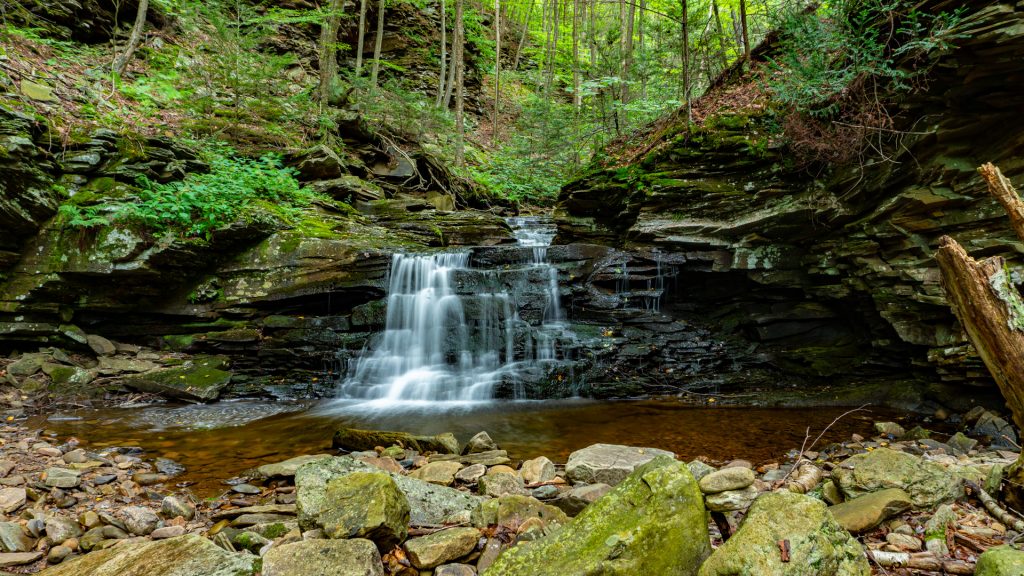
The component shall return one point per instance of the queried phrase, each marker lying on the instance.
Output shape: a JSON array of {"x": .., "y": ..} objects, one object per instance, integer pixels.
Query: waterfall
[{"x": 454, "y": 333}]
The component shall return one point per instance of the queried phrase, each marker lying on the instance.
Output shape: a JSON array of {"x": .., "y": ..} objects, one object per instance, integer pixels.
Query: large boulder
[
  {"x": 927, "y": 483},
  {"x": 189, "y": 555},
  {"x": 608, "y": 463},
  {"x": 428, "y": 503},
  {"x": 1005, "y": 560},
  {"x": 354, "y": 557},
  {"x": 866, "y": 512},
  {"x": 201, "y": 379},
  {"x": 364, "y": 505},
  {"x": 653, "y": 522},
  {"x": 355, "y": 440},
  {"x": 818, "y": 546}
]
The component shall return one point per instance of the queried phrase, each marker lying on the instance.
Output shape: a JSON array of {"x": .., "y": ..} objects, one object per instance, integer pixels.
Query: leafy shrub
[{"x": 196, "y": 206}]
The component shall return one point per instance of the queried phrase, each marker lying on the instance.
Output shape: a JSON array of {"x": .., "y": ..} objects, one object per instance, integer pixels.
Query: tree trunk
[
  {"x": 991, "y": 311},
  {"x": 746, "y": 31},
  {"x": 721, "y": 36},
  {"x": 362, "y": 36},
  {"x": 522, "y": 39},
  {"x": 640, "y": 38},
  {"x": 444, "y": 56},
  {"x": 377, "y": 43},
  {"x": 686, "y": 60},
  {"x": 577, "y": 98},
  {"x": 460, "y": 127},
  {"x": 497, "y": 70},
  {"x": 121, "y": 62},
  {"x": 329, "y": 50}
]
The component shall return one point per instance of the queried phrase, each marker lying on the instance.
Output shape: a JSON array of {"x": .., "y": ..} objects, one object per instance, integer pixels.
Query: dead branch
[
  {"x": 1000, "y": 187},
  {"x": 807, "y": 478},
  {"x": 804, "y": 447},
  {"x": 993, "y": 507},
  {"x": 919, "y": 561}
]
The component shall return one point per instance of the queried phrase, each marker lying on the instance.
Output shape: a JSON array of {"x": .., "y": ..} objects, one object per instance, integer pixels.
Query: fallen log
[
  {"x": 808, "y": 477},
  {"x": 993, "y": 507}
]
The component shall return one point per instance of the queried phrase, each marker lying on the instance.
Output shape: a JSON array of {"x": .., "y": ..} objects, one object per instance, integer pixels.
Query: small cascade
[
  {"x": 456, "y": 333},
  {"x": 643, "y": 286}
]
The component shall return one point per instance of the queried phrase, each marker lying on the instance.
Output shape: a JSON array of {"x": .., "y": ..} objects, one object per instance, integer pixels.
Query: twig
[{"x": 804, "y": 447}]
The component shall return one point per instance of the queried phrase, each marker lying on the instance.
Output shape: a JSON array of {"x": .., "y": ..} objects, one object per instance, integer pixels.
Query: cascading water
[{"x": 454, "y": 333}]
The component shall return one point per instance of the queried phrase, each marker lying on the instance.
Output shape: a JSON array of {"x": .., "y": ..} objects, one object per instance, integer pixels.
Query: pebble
[{"x": 245, "y": 489}]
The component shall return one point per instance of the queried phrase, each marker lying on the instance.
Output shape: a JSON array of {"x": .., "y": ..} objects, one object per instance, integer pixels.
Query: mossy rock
[
  {"x": 927, "y": 483},
  {"x": 355, "y": 440},
  {"x": 199, "y": 380},
  {"x": 654, "y": 522},
  {"x": 1006, "y": 560},
  {"x": 189, "y": 555},
  {"x": 365, "y": 505},
  {"x": 818, "y": 545}
]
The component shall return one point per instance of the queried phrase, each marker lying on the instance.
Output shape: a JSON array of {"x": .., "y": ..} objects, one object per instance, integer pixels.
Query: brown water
[{"x": 220, "y": 441}]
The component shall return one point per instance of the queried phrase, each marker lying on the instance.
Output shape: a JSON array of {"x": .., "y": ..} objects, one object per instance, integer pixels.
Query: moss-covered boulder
[
  {"x": 189, "y": 555},
  {"x": 1006, "y": 560},
  {"x": 201, "y": 379},
  {"x": 818, "y": 545},
  {"x": 927, "y": 483},
  {"x": 428, "y": 503},
  {"x": 512, "y": 511},
  {"x": 365, "y": 505},
  {"x": 866, "y": 512},
  {"x": 653, "y": 522},
  {"x": 324, "y": 557},
  {"x": 356, "y": 440}
]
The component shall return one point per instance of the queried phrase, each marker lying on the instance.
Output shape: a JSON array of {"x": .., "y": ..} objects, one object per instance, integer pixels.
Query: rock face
[
  {"x": 927, "y": 483},
  {"x": 324, "y": 558},
  {"x": 830, "y": 275},
  {"x": 189, "y": 555},
  {"x": 608, "y": 463},
  {"x": 651, "y": 523},
  {"x": 818, "y": 546}
]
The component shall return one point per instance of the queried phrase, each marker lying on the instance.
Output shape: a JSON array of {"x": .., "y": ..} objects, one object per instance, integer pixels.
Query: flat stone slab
[
  {"x": 189, "y": 555},
  {"x": 608, "y": 463},
  {"x": 354, "y": 557},
  {"x": 864, "y": 513}
]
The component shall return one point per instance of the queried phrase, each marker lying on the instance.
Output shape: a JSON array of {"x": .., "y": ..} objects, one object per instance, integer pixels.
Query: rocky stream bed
[{"x": 381, "y": 503}]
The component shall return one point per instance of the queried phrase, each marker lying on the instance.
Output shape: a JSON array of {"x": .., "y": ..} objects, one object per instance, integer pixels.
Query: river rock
[
  {"x": 865, "y": 512},
  {"x": 608, "y": 463},
  {"x": 726, "y": 479},
  {"x": 501, "y": 484},
  {"x": 354, "y": 440},
  {"x": 480, "y": 442},
  {"x": 429, "y": 503},
  {"x": 140, "y": 520},
  {"x": 429, "y": 551},
  {"x": 537, "y": 470},
  {"x": 287, "y": 468},
  {"x": 365, "y": 505},
  {"x": 699, "y": 469},
  {"x": 891, "y": 429},
  {"x": 1005, "y": 560},
  {"x": 60, "y": 529},
  {"x": 653, "y": 522},
  {"x": 11, "y": 499},
  {"x": 201, "y": 379},
  {"x": 927, "y": 483},
  {"x": 818, "y": 545},
  {"x": 455, "y": 570},
  {"x": 13, "y": 538},
  {"x": 471, "y": 474},
  {"x": 575, "y": 500},
  {"x": 935, "y": 530},
  {"x": 995, "y": 428},
  {"x": 731, "y": 500},
  {"x": 189, "y": 555},
  {"x": 442, "y": 473},
  {"x": 961, "y": 444},
  {"x": 513, "y": 511},
  {"x": 489, "y": 458},
  {"x": 57, "y": 554},
  {"x": 173, "y": 506},
  {"x": 167, "y": 532},
  {"x": 62, "y": 477},
  {"x": 903, "y": 542},
  {"x": 100, "y": 345},
  {"x": 22, "y": 558},
  {"x": 355, "y": 557}
]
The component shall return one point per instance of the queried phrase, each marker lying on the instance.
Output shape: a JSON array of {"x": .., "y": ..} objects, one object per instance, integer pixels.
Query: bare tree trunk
[
  {"x": 686, "y": 60},
  {"x": 627, "y": 50},
  {"x": 459, "y": 64},
  {"x": 577, "y": 98},
  {"x": 522, "y": 39},
  {"x": 362, "y": 36},
  {"x": 444, "y": 56},
  {"x": 377, "y": 43},
  {"x": 640, "y": 35},
  {"x": 593, "y": 34},
  {"x": 121, "y": 62},
  {"x": 721, "y": 36},
  {"x": 550, "y": 81},
  {"x": 329, "y": 50},
  {"x": 497, "y": 69},
  {"x": 746, "y": 32}
]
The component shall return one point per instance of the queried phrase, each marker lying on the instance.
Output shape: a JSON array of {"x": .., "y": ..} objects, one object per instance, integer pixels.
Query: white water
[{"x": 433, "y": 350}]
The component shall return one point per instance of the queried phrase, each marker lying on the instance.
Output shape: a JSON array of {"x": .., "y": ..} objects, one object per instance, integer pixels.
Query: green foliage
[
  {"x": 826, "y": 52},
  {"x": 234, "y": 188}
]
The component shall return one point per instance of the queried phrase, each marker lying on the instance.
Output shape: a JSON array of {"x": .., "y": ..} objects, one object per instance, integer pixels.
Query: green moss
[{"x": 178, "y": 342}]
